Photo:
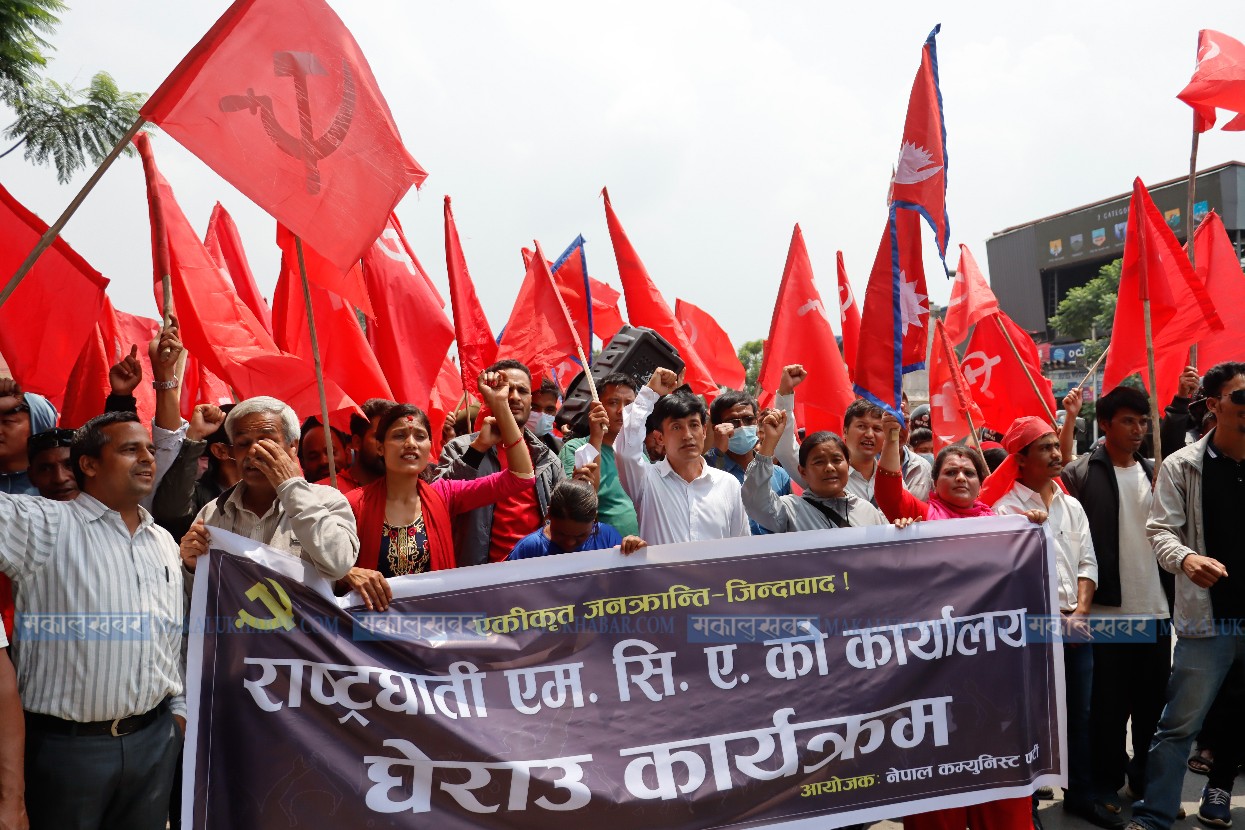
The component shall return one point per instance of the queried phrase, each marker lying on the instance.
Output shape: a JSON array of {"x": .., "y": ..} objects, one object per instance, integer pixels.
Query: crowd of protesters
[{"x": 110, "y": 518}]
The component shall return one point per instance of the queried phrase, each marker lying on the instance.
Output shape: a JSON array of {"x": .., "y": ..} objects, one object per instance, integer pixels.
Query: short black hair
[
  {"x": 728, "y": 400},
  {"x": 1121, "y": 397},
  {"x": 510, "y": 363},
  {"x": 575, "y": 500},
  {"x": 398, "y": 411},
  {"x": 995, "y": 456},
  {"x": 619, "y": 379},
  {"x": 680, "y": 404},
  {"x": 920, "y": 435},
  {"x": 548, "y": 387},
  {"x": 1218, "y": 375},
  {"x": 652, "y": 423},
  {"x": 313, "y": 422},
  {"x": 372, "y": 408},
  {"x": 974, "y": 457},
  {"x": 860, "y": 408},
  {"x": 815, "y": 440},
  {"x": 90, "y": 440}
]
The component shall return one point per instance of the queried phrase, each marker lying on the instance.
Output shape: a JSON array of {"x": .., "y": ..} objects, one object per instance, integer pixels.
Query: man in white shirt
[
  {"x": 1033, "y": 469},
  {"x": 680, "y": 498}
]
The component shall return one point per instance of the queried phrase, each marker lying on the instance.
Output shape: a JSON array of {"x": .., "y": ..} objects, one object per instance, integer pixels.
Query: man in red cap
[{"x": 1029, "y": 480}]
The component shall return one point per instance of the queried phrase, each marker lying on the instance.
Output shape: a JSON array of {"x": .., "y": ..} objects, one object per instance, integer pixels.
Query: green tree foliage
[
  {"x": 1088, "y": 312},
  {"x": 750, "y": 356},
  {"x": 58, "y": 124}
]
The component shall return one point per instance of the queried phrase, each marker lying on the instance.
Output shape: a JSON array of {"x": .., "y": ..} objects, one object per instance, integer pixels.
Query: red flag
[
  {"x": 201, "y": 386},
  {"x": 646, "y": 307},
  {"x": 570, "y": 278},
  {"x": 217, "y": 327},
  {"x": 411, "y": 333},
  {"x": 278, "y": 99},
  {"x": 971, "y": 298},
  {"x": 712, "y": 344},
  {"x": 1154, "y": 266},
  {"x": 950, "y": 403},
  {"x": 61, "y": 291},
  {"x": 476, "y": 347},
  {"x": 225, "y": 246},
  {"x": 606, "y": 318},
  {"x": 893, "y": 324},
  {"x": 133, "y": 330},
  {"x": 543, "y": 337},
  {"x": 997, "y": 379},
  {"x": 88, "y": 386},
  {"x": 1218, "y": 80},
  {"x": 800, "y": 332},
  {"x": 345, "y": 355},
  {"x": 849, "y": 315},
  {"x": 920, "y": 178}
]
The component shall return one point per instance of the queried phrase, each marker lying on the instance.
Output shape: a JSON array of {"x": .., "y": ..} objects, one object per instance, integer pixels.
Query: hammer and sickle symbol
[{"x": 282, "y": 611}]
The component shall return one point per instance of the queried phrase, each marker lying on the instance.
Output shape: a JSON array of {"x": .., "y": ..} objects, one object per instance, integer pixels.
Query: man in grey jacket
[
  {"x": 489, "y": 533},
  {"x": 1193, "y": 530}
]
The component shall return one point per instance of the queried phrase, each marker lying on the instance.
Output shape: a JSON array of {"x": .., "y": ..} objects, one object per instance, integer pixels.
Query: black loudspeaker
[{"x": 633, "y": 351}]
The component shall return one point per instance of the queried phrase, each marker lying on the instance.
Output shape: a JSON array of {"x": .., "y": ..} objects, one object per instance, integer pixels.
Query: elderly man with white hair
[{"x": 273, "y": 503}]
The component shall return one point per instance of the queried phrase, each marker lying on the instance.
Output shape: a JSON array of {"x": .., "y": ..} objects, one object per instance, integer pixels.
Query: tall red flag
[
  {"x": 606, "y": 318},
  {"x": 712, "y": 343},
  {"x": 544, "y": 337},
  {"x": 476, "y": 347},
  {"x": 800, "y": 332},
  {"x": 411, "y": 334},
  {"x": 1154, "y": 266},
  {"x": 951, "y": 403},
  {"x": 920, "y": 179},
  {"x": 893, "y": 331},
  {"x": 278, "y": 99},
  {"x": 201, "y": 386},
  {"x": 217, "y": 327},
  {"x": 225, "y": 246},
  {"x": 997, "y": 379},
  {"x": 646, "y": 307},
  {"x": 61, "y": 291},
  {"x": 345, "y": 355},
  {"x": 971, "y": 298},
  {"x": 570, "y": 275},
  {"x": 1218, "y": 80},
  {"x": 849, "y": 315}
]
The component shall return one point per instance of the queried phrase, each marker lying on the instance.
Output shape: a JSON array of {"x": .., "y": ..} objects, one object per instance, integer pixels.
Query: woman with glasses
[
  {"x": 404, "y": 521},
  {"x": 572, "y": 526}
]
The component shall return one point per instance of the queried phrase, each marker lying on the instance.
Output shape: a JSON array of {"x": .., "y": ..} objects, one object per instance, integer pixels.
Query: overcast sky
[{"x": 716, "y": 126}]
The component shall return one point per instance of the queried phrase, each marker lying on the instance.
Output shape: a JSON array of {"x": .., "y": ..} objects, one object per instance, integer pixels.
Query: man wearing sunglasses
[
  {"x": 1193, "y": 527},
  {"x": 21, "y": 415}
]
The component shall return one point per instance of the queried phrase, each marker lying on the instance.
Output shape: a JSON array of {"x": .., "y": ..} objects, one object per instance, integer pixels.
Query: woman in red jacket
[{"x": 404, "y": 520}]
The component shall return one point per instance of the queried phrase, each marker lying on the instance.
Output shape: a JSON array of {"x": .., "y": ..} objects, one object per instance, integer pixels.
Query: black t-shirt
[{"x": 1223, "y": 494}]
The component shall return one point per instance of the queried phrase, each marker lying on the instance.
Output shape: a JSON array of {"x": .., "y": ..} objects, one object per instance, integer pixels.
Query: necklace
[{"x": 406, "y": 555}]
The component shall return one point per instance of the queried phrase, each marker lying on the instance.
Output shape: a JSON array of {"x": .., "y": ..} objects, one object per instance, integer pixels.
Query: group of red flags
[{"x": 311, "y": 117}]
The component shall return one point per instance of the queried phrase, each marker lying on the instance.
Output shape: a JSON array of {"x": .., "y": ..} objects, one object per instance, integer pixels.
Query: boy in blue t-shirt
[{"x": 572, "y": 526}]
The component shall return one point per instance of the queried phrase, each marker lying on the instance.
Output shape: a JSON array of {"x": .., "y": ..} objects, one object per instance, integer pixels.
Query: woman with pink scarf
[{"x": 958, "y": 474}]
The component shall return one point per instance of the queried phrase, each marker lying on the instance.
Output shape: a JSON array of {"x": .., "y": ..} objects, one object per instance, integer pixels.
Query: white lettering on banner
[
  {"x": 786, "y": 651},
  {"x": 721, "y": 663},
  {"x": 398, "y": 691},
  {"x": 667, "y": 759},
  {"x": 654, "y": 663},
  {"x": 868, "y": 648},
  {"x": 524, "y": 687},
  {"x": 422, "y": 769}
]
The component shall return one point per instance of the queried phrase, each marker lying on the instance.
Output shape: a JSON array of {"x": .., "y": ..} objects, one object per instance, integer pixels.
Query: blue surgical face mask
[
  {"x": 540, "y": 423},
  {"x": 742, "y": 440}
]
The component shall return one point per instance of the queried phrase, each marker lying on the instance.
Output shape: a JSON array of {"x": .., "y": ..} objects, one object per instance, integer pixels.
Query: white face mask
[{"x": 540, "y": 423}]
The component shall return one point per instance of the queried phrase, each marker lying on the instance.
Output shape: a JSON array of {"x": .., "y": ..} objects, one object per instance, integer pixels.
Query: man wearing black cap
[{"x": 50, "y": 471}]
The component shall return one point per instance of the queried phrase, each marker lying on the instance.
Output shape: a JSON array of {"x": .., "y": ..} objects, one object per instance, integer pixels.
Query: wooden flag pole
[
  {"x": 1094, "y": 368},
  {"x": 54, "y": 230},
  {"x": 1033, "y": 383},
  {"x": 1192, "y": 194},
  {"x": 972, "y": 430},
  {"x": 1154, "y": 398},
  {"x": 315, "y": 353},
  {"x": 592, "y": 384}
]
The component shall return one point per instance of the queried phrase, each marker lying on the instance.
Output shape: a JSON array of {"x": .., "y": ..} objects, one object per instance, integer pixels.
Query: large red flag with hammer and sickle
[{"x": 278, "y": 99}]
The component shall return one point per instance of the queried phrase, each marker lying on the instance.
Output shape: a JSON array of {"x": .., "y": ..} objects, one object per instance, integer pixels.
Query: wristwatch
[{"x": 164, "y": 385}]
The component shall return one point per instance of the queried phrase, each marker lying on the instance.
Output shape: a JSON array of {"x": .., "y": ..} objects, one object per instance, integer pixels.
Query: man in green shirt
[{"x": 605, "y": 420}]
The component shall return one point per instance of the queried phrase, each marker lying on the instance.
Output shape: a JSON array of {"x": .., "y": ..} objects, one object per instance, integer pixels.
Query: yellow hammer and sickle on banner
[{"x": 282, "y": 612}]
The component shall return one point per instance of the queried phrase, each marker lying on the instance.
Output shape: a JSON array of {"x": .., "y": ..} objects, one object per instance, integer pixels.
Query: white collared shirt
[
  {"x": 671, "y": 509},
  {"x": 1074, "y": 546},
  {"x": 98, "y": 631}
]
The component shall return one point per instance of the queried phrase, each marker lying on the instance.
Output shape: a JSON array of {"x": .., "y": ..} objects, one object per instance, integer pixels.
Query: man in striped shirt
[{"x": 98, "y": 637}]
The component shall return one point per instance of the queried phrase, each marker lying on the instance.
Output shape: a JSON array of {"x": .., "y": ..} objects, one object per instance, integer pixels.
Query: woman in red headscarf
[{"x": 958, "y": 474}]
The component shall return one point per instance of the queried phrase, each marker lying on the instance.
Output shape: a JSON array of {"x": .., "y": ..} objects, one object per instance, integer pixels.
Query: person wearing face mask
[
  {"x": 824, "y": 467},
  {"x": 733, "y": 419},
  {"x": 544, "y": 408},
  {"x": 406, "y": 522}
]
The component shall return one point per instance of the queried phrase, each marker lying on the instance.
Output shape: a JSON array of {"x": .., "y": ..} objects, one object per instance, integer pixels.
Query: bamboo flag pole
[
  {"x": 54, "y": 230},
  {"x": 1192, "y": 194},
  {"x": 1007, "y": 335},
  {"x": 592, "y": 384},
  {"x": 1154, "y": 398},
  {"x": 315, "y": 353}
]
